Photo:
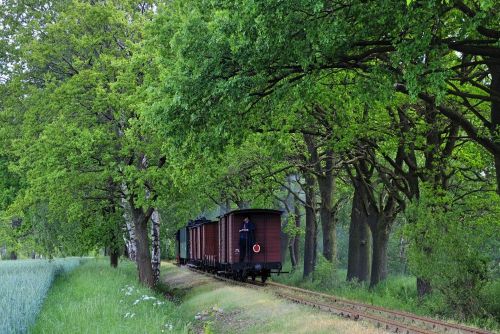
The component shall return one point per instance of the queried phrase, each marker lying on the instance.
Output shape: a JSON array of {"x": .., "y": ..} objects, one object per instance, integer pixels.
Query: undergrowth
[{"x": 397, "y": 292}]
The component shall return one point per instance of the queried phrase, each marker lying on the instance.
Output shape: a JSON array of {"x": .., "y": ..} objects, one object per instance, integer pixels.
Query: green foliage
[
  {"x": 455, "y": 244},
  {"x": 291, "y": 229},
  {"x": 490, "y": 303},
  {"x": 325, "y": 274},
  {"x": 23, "y": 287},
  {"x": 191, "y": 105}
]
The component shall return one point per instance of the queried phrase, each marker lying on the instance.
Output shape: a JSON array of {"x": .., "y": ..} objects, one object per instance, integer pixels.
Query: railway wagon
[
  {"x": 263, "y": 257},
  {"x": 203, "y": 243},
  {"x": 209, "y": 250},
  {"x": 194, "y": 242},
  {"x": 182, "y": 246}
]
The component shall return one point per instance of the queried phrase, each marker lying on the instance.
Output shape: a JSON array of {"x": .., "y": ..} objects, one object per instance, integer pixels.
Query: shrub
[
  {"x": 324, "y": 275},
  {"x": 452, "y": 247}
]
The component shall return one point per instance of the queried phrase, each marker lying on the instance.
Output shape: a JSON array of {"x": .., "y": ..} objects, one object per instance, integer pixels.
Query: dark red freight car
[
  {"x": 203, "y": 243},
  {"x": 263, "y": 255},
  {"x": 195, "y": 241},
  {"x": 209, "y": 249}
]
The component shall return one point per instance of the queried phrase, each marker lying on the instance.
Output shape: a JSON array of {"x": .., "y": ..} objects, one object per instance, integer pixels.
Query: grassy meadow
[
  {"x": 62, "y": 297},
  {"x": 96, "y": 298},
  {"x": 23, "y": 287}
]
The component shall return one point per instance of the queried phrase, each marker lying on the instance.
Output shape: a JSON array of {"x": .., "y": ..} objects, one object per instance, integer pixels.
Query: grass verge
[{"x": 95, "y": 298}]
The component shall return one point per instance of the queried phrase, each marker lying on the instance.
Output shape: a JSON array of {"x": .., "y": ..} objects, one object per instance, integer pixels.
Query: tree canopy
[{"x": 116, "y": 113}]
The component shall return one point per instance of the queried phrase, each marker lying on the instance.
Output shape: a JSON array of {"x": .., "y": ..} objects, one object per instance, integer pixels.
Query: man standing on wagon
[{"x": 247, "y": 238}]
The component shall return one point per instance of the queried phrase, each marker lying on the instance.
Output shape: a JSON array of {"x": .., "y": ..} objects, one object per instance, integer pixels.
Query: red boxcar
[
  {"x": 203, "y": 243},
  {"x": 264, "y": 257},
  {"x": 195, "y": 241},
  {"x": 209, "y": 247}
]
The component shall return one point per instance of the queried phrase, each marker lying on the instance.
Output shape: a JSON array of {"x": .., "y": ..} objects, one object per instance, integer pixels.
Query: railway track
[
  {"x": 395, "y": 321},
  {"x": 390, "y": 320}
]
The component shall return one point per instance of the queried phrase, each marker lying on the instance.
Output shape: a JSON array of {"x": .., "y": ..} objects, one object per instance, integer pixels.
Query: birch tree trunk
[
  {"x": 155, "y": 246},
  {"x": 129, "y": 236}
]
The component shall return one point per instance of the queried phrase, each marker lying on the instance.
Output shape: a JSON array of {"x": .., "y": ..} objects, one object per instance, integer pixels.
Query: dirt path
[{"x": 217, "y": 307}]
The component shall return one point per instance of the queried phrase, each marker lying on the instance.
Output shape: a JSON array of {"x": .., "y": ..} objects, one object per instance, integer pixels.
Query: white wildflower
[{"x": 145, "y": 297}]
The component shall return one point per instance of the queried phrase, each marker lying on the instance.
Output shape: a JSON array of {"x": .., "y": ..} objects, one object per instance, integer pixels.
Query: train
[{"x": 219, "y": 246}]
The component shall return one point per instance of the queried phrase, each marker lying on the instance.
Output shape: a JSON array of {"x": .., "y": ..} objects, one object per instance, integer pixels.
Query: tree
[{"x": 81, "y": 104}]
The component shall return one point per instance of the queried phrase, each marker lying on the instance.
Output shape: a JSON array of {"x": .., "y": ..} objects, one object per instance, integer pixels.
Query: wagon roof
[
  {"x": 200, "y": 221},
  {"x": 249, "y": 211}
]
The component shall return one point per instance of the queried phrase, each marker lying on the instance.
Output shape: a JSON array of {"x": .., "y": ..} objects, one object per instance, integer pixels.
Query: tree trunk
[
  {"x": 293, "y": 259},
  {"x": 326, "y": 183},
  {"x": 311, "y": 226},
  {"x": 358, "y": 259},
  {"x": 495, "y": 113},
  {"x": 380, "y": 238},
  {"x": 285, "y": 242},
  {"x": 143, "y": 255},
  {"x": 155, "y": 246},
  {"x": 327, "y": 221},
  {"x": 326, "y": 211},
  {"x": 294, "y": 246},
  {"x": 114, "y": 245},
  {"x": 224, "y": 207},
  {"x": 129, "y": 236},
  {"x": 114, "y": 255},
  {"x": 423, "y": 287},
  {"x": 243, "y": 204}
]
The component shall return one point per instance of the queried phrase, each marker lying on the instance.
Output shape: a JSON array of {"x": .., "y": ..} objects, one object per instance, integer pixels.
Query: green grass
[
  {"x": 96, "y": 298},
  {"x": 23, "y": 287},
  {"x": 397, "y": 292},
  {"x": 233, "y": 309}
]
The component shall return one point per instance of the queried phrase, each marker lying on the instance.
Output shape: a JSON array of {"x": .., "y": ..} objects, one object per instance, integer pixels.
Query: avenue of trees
[{"x": 121, "y": 120}]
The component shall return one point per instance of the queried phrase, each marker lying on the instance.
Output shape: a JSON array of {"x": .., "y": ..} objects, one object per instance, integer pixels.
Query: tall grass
[
  {"x": 23, "y": 287},
  {"x": 96, "y": 298}
]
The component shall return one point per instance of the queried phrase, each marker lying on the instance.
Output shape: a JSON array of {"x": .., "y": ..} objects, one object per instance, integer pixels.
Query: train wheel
[{"x": 263, "y": 278}]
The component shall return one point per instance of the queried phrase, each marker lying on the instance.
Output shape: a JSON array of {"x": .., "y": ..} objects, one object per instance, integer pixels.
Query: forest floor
[{"x": 216, "y": 307}]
